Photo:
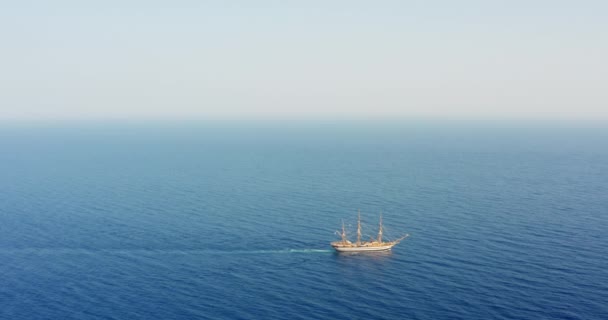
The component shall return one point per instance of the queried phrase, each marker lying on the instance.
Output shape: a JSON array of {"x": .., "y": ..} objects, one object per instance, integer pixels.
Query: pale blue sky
[{"x": 75, "y": 60}]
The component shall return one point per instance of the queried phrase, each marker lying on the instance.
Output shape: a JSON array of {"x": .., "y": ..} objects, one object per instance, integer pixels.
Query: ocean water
[{"x": 200, "y": 221}]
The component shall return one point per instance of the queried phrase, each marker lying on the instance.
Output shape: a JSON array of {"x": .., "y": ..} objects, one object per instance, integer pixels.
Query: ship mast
[
  {"x": 380, "y": 229},
  {"x": 359, "y": 228},
  {"x": 343, "y": 233}
]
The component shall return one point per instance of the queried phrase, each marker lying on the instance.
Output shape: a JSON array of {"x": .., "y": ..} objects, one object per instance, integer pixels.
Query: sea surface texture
[{"x": 219, "y": 222}]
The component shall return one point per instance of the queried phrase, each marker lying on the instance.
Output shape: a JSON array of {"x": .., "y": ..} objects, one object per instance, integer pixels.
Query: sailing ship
[{"x": 377, "y": 244}]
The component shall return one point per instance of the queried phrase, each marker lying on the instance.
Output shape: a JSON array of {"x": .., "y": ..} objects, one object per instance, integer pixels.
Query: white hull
[{"x": 364, "y": 249}]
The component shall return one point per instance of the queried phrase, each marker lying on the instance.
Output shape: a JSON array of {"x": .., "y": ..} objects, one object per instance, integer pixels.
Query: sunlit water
[{"x": 207, "y": 222}]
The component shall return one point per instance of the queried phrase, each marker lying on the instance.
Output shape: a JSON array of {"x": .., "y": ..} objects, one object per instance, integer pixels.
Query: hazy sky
[{"x": 303, "y": 59}]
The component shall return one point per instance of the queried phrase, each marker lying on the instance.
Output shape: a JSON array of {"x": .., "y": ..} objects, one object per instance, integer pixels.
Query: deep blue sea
[{"x": 233, "y": 221}]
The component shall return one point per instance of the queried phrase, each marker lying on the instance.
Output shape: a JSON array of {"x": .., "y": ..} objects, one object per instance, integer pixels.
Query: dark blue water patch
[{"x": 234, "y": 223}]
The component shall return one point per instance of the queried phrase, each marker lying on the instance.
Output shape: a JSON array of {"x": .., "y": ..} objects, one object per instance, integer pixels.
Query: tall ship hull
[{"x": 364, "y": 246}]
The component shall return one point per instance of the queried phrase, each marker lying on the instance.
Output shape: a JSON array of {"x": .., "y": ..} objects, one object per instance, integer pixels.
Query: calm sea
[{"x": 200, "y": 221}]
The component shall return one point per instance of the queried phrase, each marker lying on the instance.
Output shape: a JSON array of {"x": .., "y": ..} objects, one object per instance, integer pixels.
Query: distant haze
[{"x": 72, "y": 60}]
